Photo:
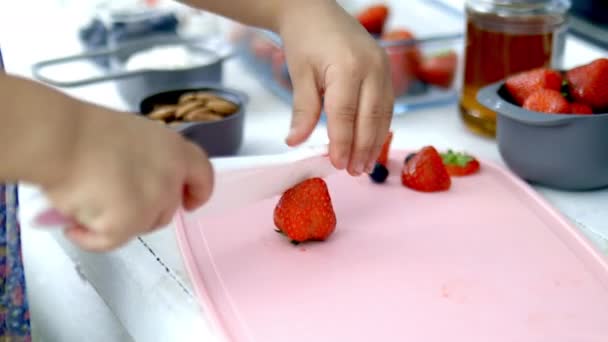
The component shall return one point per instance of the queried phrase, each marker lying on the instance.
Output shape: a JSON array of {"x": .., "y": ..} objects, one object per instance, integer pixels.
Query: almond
[
  {"x": 163, "y": 113},
  {"x": 206, "y": 96},
  {"x": 202, "y": 114},
  {"x": 187, "y": 97},
  {"x": 184, "y": 108},
  {"x": 222, "y": 107}
]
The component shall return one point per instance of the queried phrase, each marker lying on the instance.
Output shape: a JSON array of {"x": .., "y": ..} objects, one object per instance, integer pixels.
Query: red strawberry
[
  {"x": 547, "y": 101},
  {"x": 404, "y": 60},
  {"x": 397, "y": 34},
  {"x": 460, "y": 164},
  {"x": 305, "y": 212},
  {"x": 425, "y": 172},
  {"x": 279, "y": 69},
  {"x": 383, "y": 158},
  {"x": 580, "y": 108},
  {"x": 439, "y": 70},
  {"x": 373, "y": 18},
  {"x": 262, "y": 48},
  {"x": 588, "y": 84},
  {"x": 523, "y": 84}
]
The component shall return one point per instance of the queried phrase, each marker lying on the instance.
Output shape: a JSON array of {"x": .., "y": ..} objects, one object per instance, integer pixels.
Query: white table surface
[{"x": 145, "y": 282}]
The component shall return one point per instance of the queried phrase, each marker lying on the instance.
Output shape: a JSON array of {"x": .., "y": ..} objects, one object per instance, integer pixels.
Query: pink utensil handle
[{"x": 51, "y": 218}]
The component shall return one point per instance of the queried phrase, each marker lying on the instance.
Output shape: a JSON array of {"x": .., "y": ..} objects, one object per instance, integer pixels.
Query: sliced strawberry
[
  {"x": 460, "y": 164},
  {"x": 412, "y": 55},
  {"x": 523, "y": 84},
  {"x": 383, "y": 158},
  {"x": 373, "y": 18},
  {"x": 588, "y": 84},
  {"x": 397, "y": 35},
  {"x": 425, "y": 172},
  {"x": 580, "y": 108},
  {"x": 439, "y": 70},
  {"x": 404, "y": 60},
  {"x": 280, "y": 72},
  {"x": 547, "y": 101},
  {"x": 262, "y": 48},
  {"x": 305, "y": 212}
]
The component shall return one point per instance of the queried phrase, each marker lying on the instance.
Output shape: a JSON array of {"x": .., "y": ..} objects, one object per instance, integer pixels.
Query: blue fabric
[
  {"x": 14, "y": 309},
  {"x": 14, "y": 312}
]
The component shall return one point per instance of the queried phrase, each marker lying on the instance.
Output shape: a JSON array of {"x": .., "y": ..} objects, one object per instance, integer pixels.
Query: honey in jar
[{"x": 506, "y": 37}]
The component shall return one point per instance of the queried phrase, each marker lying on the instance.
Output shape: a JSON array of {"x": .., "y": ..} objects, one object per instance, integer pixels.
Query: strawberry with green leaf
[{"x": 460, "y": 164}]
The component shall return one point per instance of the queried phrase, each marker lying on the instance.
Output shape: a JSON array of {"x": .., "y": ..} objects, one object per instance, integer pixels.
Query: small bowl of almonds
[{"x": 210, "y": 116}]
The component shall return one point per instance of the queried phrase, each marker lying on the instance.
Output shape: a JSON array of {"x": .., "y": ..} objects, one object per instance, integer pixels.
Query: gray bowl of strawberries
[{"x": 552, "y": 126}]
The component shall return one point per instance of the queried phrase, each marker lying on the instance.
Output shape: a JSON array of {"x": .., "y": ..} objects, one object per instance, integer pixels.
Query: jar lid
[
  {"x": 522, "y": 5},
  {"x": 523, "y": 1},
  {"x": 528, "y": 2},
  {"x": 531, "y": 2}
]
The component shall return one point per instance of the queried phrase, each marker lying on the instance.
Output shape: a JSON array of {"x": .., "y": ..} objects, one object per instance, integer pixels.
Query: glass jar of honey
[{"x": 504, "y": 37}]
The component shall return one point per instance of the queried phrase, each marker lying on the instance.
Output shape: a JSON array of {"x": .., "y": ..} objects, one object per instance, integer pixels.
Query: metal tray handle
[{"x": 38, "y": 67}]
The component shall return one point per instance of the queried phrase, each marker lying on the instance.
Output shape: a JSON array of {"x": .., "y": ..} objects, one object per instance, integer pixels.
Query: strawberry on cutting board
[
  {"x": 523, "y": 84},
  {"x": 373, "y": 18},
  {"x": 439, "y": 70},
  {"x": 383, "y": 158},
  {"x": 425, "y": 172},
  {"x": 460, "y": 164},
  {"x": 547, "y": 101},
  {"x": 588, "y": 84},
  {"x": 305, "y": 212}
]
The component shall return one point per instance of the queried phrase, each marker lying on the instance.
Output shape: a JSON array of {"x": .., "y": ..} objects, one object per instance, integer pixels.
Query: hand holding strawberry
[{"x": 337, "y": 59}]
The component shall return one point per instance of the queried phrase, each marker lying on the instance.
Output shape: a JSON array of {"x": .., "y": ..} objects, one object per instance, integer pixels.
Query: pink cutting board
[{"x": 487, "y": 261}]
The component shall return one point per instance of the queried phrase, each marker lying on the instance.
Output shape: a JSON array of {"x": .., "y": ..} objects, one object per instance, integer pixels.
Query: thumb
[
  {"x": 306, "y": 106},
  {"x": 199, "y": 179}
]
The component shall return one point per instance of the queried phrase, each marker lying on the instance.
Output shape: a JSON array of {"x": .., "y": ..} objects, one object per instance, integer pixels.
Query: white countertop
[{"x": 145, "y": 283}]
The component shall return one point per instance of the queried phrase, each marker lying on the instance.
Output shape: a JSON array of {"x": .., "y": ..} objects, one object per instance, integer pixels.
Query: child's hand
[
  {"x": 126, "y": 176},
  {"x": 329, "y": 53}
]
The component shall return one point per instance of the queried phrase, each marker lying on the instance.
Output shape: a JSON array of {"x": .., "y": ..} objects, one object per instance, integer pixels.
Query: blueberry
[
  {"x": 409, "y": 157},
  {"x": 379, "y": 174}
]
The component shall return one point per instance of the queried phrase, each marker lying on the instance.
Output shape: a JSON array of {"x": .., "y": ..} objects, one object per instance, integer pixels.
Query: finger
[
  {"x": 341, "y": 104},
  {"x": 370, "y": 125},
  {"x": 199, "y": 179},
  {"x": 164, "y": 219},
  {"x": 115, "y": 227},
  {"x": 92, "y": 241},
  {"x": 306, "y": 106},
  {"x": 384, "y": 127}
]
